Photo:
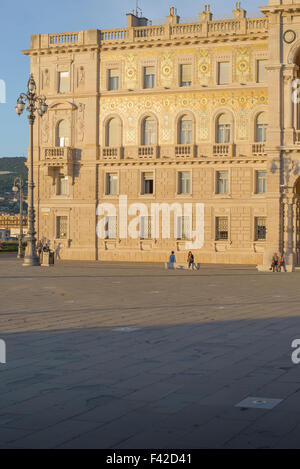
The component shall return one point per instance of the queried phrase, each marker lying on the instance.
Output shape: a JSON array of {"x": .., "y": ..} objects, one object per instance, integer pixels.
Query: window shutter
[{"x": 223, "y": 73}]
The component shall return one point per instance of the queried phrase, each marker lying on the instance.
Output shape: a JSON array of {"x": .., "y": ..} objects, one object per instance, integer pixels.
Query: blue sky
[{"x": 19, "y": 19}]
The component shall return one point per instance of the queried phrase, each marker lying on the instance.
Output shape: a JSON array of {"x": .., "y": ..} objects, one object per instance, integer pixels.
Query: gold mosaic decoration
[
  {"x": 242, "y": 64},
  {"x": 201, "y": 104}
]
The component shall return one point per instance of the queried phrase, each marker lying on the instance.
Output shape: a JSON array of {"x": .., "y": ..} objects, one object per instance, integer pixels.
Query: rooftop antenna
[{"x": 138, "y": 9}]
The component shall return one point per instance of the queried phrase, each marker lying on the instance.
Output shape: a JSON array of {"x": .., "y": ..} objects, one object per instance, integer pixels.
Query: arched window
[
  {"x": 63, "y": 134},
  {"x": 261, "y": 126},
  {"x": 223, "y": 133},
  {"x": 113, "y": 133},
  {"x": 185, "y": 131},
  {"x": 149, "y": 131}
]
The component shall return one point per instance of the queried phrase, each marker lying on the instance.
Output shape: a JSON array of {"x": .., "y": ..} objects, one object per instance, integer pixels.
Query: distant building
[
  {"x": 195, "y": 111},
  {"x": 12, "y": 222},
  {"x": 4, "y": 235}
]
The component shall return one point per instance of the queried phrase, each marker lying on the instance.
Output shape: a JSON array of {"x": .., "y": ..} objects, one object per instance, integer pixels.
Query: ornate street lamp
[
  {"x": 34, "y": 104},
  {"x": 18, "y": 185}
]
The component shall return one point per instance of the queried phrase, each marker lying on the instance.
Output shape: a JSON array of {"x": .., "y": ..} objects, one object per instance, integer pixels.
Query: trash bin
[
  {"x": 51, "y": 257},
  {"x": 47, "y": 258}
]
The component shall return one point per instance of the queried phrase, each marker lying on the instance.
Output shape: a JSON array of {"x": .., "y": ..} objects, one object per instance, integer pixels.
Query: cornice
[{"x": 113, "y": 46}]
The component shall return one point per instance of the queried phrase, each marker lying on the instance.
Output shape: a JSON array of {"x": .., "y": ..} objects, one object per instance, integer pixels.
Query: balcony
[
  {"x": 185, "y": 151},
  {"x": 58, "y": 156},
  {"x": 148, "y": 152},
  {"x": 297, "y": 137},
  {"x": 258, "y": 149},
  {"x": 223, "y": 150},
  {"x": 112, "y": 153}
]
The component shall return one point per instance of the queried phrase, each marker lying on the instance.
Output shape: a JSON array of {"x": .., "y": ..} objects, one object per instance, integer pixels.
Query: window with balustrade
[
  {"x": 185, "y": 130},
  {"x": 223, "y": 128},
  {"x": 149, "y": 136},
  {"x": 260, "y": 228},
  {"x": 113, "y": 133},
  {"x": 221, "y": 228},
  {"x": 261, "y": 126},
  {"x": 63, "y": 134},
  {"x": 261, "y": 182}
]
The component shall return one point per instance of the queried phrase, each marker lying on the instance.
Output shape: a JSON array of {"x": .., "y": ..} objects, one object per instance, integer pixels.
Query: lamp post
[
  {"x": 34, "y": 104},
  {"x": 18, "y": 185}
]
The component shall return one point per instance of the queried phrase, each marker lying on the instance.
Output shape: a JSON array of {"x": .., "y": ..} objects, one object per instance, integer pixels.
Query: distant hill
[{"x": 10, "y": 168}]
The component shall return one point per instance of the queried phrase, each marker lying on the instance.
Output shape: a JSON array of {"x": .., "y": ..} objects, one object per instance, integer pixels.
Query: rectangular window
[
  {"x": 149, "y": 77},
  {"x": 148, "y": 183},
  {"x": 185, "y": 75},
  {"x": 184, "y": 228},
  {"x": 110, "y": 227},
  {"x": 222, "y": 182},
  {"x": 184, "y": 183},
  {"x": 260, "y": 229},
  {"x": 63, "y": 82},
  {"x": 61, "y": 227},
  {"x": 145, "y": 227},
  {"x": 261, "y": 71},
  {"x": 112, "y": 184},
  {"x": 113, "y": 79},
  {"x": 221, "y": 228},
  {"x": 261, "y": 182},
  {"x": 62, "y": 185},
  {"x": 223, "y": 73}
]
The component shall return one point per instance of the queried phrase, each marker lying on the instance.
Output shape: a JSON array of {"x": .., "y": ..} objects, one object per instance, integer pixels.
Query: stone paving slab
[{"x": 104, "y": 355}]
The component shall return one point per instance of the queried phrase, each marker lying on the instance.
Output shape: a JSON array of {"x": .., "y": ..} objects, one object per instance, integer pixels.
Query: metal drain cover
[{"x": 259, "y": 403}]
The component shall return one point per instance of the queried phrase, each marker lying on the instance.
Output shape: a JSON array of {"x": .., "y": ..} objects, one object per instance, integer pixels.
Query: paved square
[{"x": 132, "y": 356}]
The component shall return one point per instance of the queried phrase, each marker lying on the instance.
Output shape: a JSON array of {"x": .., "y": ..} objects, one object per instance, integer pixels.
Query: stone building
[{"x": 183, "y": 112}]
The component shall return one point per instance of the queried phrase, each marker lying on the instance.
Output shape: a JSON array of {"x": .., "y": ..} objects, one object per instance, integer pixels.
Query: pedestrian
[
  {"x": 39, "y": 248},
  {"x": 172, "y": 259},
  {"x": 46, "y": 248},
  {"x": 191, "y": 260},
  {"x": 275, "y": 261},
  {"x": 281, "y": 263},
  {"x": 57, "y": 251}
]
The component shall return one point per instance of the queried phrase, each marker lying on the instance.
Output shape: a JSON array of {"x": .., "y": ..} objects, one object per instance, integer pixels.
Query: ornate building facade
[{"x": 177, "y": 113}]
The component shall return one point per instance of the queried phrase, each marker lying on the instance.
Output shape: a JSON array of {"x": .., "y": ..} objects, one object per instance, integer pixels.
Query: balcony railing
[
  {"x": 148, "y": 151},
  {"x": 58, "y": 155},
  {"x": 63, "y": 39},
  {"x": 112, "y": 153},
  {"x": 297, "y": 137},
  {"x": 185, "y": 151},
  {"x": 258, "y": 149},
  {"x": 223, "y": 149},
  {"x": 114, "y": 35}
]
